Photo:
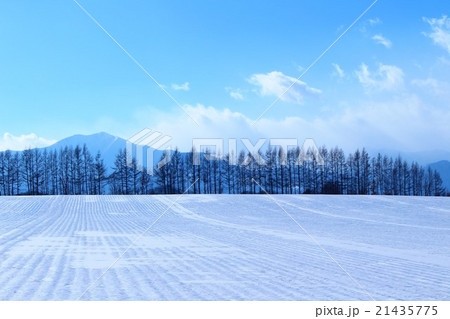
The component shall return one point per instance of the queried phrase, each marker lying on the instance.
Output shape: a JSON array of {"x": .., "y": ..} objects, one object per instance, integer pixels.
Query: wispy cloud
[
  {"x": 440, "y": 31},
  {"x": 378, "y": 38},
  {"x": 22, "y": 142},
  {"x": 276, "y": 83},
  {"x": 235, "y": 93},
  {"x": 374, "y": 21},
  {"x": 433, "y": 85},
  {"x": 386, "y": 78},
  {"x": 369, "y": 23},
  {"x": 338, "y": 70},
  {"x": 181, "y": 87}
]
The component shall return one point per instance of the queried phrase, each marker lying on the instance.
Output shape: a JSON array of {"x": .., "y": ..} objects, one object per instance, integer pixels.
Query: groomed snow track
[{"x": 224, "y": 247}]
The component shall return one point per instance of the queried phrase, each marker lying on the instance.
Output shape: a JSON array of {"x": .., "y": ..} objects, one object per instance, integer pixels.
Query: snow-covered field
[{"x": 223, "y": 247}]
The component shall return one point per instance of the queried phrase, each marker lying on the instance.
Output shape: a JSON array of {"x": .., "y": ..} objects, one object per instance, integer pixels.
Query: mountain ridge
[{"x": 108, "y": 145}]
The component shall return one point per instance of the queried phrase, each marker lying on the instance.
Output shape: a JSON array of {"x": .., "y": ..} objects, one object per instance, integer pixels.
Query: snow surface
[{"x": 224, "y": 247}]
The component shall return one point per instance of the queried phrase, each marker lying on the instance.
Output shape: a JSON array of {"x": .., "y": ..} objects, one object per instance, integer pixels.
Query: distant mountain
[
  {"x": 423, "y": 157},
  {"x": 108, "y": 145},
  {"x": 443, "y": 168}
]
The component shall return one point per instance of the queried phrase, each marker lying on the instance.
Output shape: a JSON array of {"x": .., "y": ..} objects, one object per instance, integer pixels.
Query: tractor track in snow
[{"x": 224, "y": 247}]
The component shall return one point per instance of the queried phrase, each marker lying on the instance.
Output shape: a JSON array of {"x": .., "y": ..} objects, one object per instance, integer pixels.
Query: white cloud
[
  {"x": 403, "y": 123},
  {"x": 299, "y": 67},
  {"x": 181, "y": 87},
  {"x": 386, "y": 78},
  {"x": 276, "y": 83},
  {"x": 433, "y": 85},
  {"x": 365, "y": 25},
  {"x": 378, "y": 38},
  {"x": 338, "y": 70},
  {"x": 444, "y": 60},
  {"x": 235, "y": 93},
  {"x": 213, "y": 123},
  {"x": 374, "y": 21},
  {"x": 22, "y": 142},
  {"x": 440, "y": 31}
]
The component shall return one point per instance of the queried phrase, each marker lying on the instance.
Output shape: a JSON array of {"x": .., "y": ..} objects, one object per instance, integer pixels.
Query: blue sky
[{"x": 385, "y": 84}]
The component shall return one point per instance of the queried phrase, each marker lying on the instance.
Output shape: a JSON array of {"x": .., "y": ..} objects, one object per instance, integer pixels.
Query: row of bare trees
[
  {"x": 357, "y": 173},
  {"x": 41, "y": 172},
  {"x": 75, "y": 171}
]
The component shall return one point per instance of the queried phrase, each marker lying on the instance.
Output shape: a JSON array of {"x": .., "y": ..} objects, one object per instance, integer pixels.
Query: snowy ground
[{"x": 210, "y": 247}]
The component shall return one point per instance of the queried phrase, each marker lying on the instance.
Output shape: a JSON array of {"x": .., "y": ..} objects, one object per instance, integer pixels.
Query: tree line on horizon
[{"x": 75, "y": 171}]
